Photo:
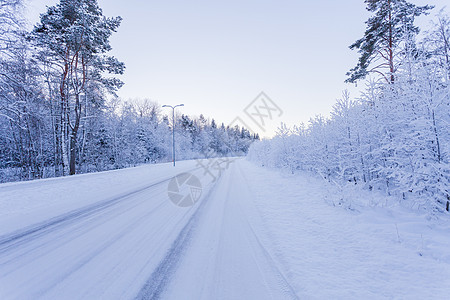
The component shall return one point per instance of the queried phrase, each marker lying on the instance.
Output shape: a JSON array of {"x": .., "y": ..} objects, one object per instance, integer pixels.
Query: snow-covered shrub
[{"x": 394, "y": 138}]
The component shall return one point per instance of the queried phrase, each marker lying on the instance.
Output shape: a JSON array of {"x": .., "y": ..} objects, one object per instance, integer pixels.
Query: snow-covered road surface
[{"x": 254, "y": 234}]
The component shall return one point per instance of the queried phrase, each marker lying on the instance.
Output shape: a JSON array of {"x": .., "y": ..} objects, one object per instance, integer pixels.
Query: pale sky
[{"x": 217, "y": 56}]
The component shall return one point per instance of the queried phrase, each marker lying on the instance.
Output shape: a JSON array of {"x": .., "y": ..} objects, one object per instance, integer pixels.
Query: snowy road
[
  {"x": 252, "y": 235},
  {"x": 105, "y": 249},
  {"x": 140, "y": 244}
]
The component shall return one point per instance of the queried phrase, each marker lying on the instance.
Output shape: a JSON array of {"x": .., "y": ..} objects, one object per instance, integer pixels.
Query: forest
[
  {"x": 59, "y": 111},
  {"x": 395, "y": 136}
]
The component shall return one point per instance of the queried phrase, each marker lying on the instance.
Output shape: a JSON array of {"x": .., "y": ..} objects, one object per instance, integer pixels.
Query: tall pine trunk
[{"x": 391, "y": 45}]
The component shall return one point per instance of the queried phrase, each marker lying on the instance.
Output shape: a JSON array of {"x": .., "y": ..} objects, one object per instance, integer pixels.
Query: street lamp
[{"x": 173, "y": 129}]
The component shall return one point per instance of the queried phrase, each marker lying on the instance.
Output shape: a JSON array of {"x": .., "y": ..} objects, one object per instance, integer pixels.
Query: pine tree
[
  {"x": 391, "y": 22},
  {"x": 73, "y": 37}
]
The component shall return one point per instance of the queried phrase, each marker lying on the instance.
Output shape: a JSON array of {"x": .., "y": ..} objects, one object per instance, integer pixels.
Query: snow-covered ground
[
  {"x": 332, "y": 253},
  {"x": 254, "y": 234}
]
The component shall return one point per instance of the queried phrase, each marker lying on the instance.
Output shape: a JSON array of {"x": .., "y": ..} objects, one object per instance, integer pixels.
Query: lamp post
[{"x": 173, "y": 129}]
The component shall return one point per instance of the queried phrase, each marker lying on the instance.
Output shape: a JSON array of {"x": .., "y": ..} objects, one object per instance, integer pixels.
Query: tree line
[
  {"x": 395, "y": 136},
  {"x": 59, "y": 112}
]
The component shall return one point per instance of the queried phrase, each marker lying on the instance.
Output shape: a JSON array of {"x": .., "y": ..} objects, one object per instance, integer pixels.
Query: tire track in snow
[
  {"x": 155, "y": 286},
  {"x": 97, "y": 251},
  {"x": 261, "y": 250},
  {"x": 30, "y": 233},
  {"x": 225, "y": 259},
  {"x": 61, "y": 238}
]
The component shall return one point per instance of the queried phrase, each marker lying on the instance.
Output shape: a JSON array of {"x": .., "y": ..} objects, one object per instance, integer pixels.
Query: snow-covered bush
[{"x": 394, "y": 138}]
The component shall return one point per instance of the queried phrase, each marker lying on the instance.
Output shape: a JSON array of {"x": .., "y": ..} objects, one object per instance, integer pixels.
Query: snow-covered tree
[
  {"x": 73, "y": 37},
  {"x": 395, "y": 137},
  {"x": 386, "y": 28}
]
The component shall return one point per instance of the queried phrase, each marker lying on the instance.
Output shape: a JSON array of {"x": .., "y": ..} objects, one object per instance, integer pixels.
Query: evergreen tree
[
  {"x": 73, "y": 37},
  {"x": 392, "y": 21}
]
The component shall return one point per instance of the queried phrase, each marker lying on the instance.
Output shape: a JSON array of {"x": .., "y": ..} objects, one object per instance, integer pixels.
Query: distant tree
[{"x": 392, "y": 21}]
